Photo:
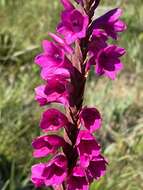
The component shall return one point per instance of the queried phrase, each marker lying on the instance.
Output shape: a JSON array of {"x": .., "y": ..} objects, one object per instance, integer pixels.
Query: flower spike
[{"x": 81, "y": 42}]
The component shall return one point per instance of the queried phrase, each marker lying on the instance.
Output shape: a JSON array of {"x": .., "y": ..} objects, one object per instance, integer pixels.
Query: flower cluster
[{"x": 80, "y": 43}]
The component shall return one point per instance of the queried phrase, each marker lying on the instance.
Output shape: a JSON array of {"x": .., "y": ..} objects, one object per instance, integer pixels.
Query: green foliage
[
  {"x": 24, "y": 24},
  {"x": 7, "y": 48}
]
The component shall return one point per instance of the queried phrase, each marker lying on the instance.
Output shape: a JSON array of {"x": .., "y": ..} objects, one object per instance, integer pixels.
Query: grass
[
  {"x": 23, "y": 25},
  {"x": 121, "y": 134}
]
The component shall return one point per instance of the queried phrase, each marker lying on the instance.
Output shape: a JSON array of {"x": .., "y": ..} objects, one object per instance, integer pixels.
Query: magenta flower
[
  {"x": 52, "y": 173},
  {"x": 87, "y": 147},
  {"x": 55, "y": 91},
  {"x": 58, "y": 90},
  {"x": 90, "y": 119},
  {"x": 96, "y": 168},
  {"x": 108, "y": 62},
  {"x": 77, "y": 180},
  {"x": 73, "y": 25},
  {"x": 75, "y": 159},
  {"x": 52, "y": 56},
  {"x": 110, "y": 23},
  {"x": 37, "y": 171},
  {"x": 40, "y": 95},
  {"x": 62, "y": 43},
  {"x": 45, "y": 145},
  {"x": 55, "y": 171},
  {"x": 53, "y": 120},
  {"x": 49, "y": 73},
  {"x": 52, "y": 61},
  {"x": 98, "y": 41}
]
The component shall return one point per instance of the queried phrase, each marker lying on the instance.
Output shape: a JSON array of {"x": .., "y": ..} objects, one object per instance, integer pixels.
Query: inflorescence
[{"x": 81, "y": 42}]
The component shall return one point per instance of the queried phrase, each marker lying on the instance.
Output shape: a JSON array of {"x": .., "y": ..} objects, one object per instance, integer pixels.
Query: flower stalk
[{"x": 81, "y": 42}]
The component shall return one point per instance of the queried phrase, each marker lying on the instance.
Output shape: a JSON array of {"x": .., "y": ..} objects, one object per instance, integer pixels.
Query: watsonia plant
[{"x": 80, "y": 43}]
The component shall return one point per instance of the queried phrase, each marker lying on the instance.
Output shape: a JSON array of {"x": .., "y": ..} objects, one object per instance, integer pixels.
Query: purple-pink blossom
[
  {"x": 48, "y": 73},
  {"x": 40, "y": 95},
  {"x": 47, "y": 144},
  {"x": 108, "y": 62},
  {"x": 53, "y": 120},
  {"x": 111, "y": 23},
  {"x": 98, "y": 41},
  {"x": 61, "y": 42},
  {"x": 96, "y": 168},
  {"x": 56, "y": 90},
  {"x": 90, "y": 118},
  {"x": 77, "y": 180},
  {"x": 73, "y": 23},
  {"x": 36, "y": 177},
  {"x": 56, "y": 170},
  {"x": 53, "y": 61},
  {"x": 52, "y": 173},
  {"x": 87, "y": 147},
  {"x": 52, "y": 55}
]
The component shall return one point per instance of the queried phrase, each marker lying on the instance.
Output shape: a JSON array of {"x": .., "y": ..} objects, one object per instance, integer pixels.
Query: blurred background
[{"x": 23, "y": 24}]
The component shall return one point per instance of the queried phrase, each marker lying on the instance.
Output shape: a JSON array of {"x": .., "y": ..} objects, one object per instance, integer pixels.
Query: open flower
[
  {"x": 57, "y": 90},
  {"x": 48, "y": 73},
  {"x": 110, "y": 23},
  {"x": 90, "y": 118},
  {"x": 40, "y": 95},
  {"x": 52, "y": 55},
  {"x": 73, "y": 24},
  {"x": 97, "y": 42},
  {"x": 52, "y": 173},
  {"x": 108, "y": 62},
  {"x": 36, "y": 176},
  {"x": 61, "y": 42},
  {"x": 77, "y": 180},
  {"x": 87, "y": 147},
  {"x": 96, "y": 168},
  {"x": 52, "y": 120},
  {"x": 53, "y": 60},
  {"x": 55, "y": 171},
  {"x": 45, "y": 145}
]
